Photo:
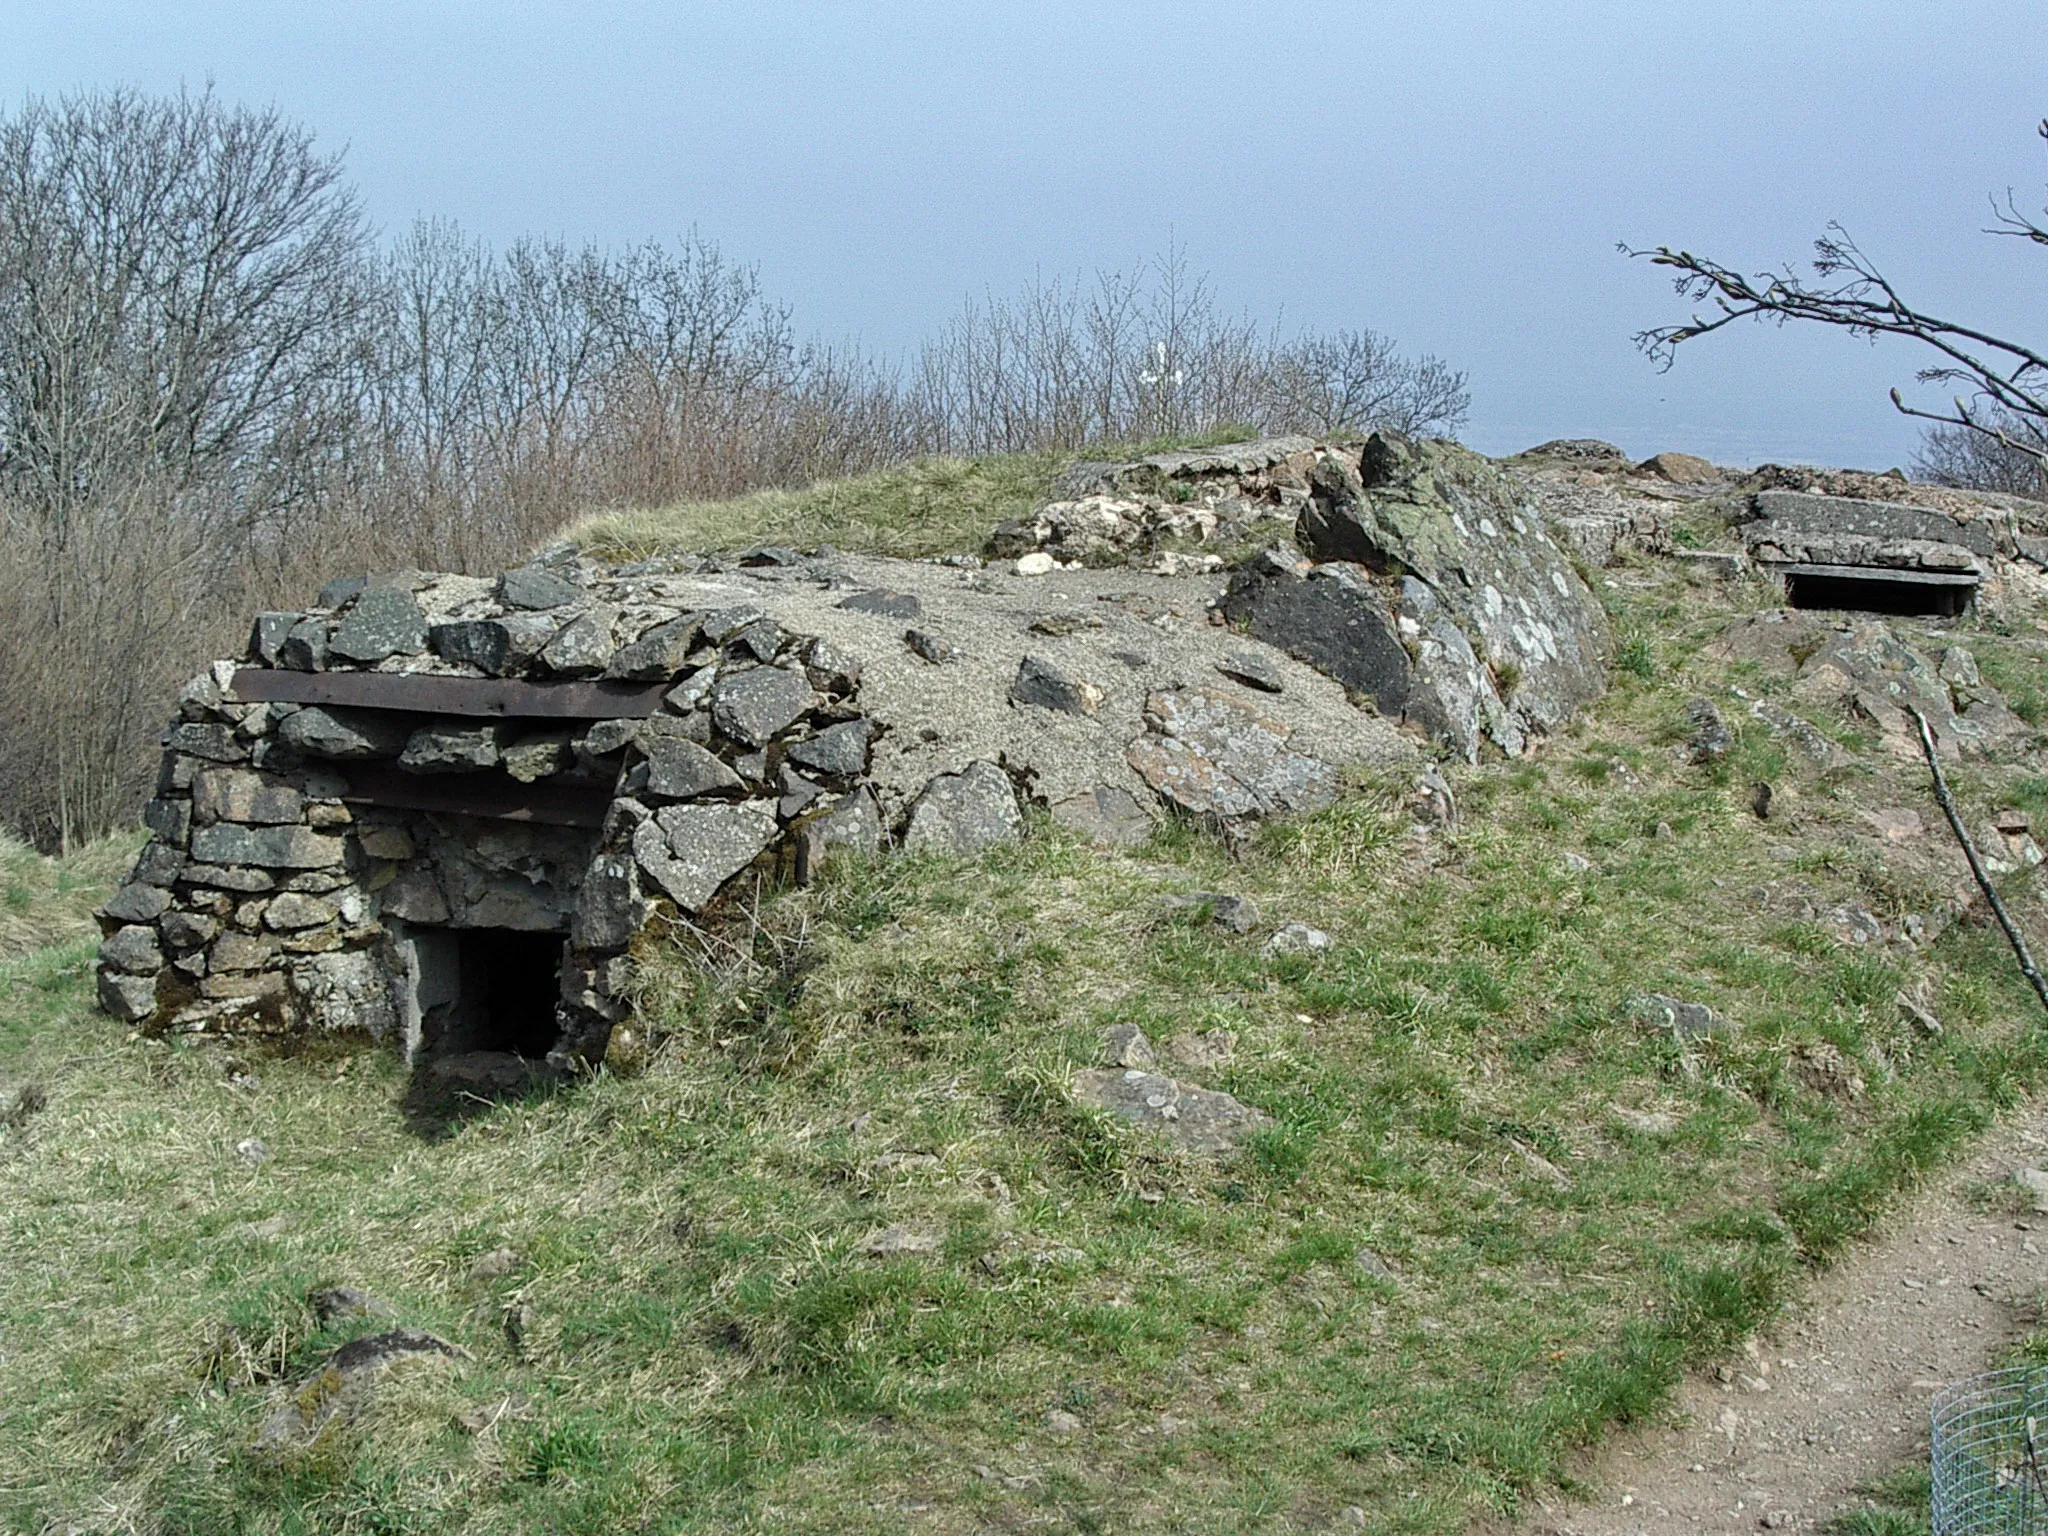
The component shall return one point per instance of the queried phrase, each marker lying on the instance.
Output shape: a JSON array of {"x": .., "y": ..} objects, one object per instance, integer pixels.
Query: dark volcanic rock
[
  {"x": 533, "y": 586},
  {"x": 840, "y": 750},
  {"x": 888, "y": 605},
  {"x": 692, "y": 850},
  {"x": 1196, "y": 1118},
  {"x": 1251, "y": 670},
  {"x": 495, "y": 647},
  {"x": 679, "y": 769},
  {"x": 755, "y": 705},
  {"x": 385, "y": 621},
  {"x": 1212, "y": 758},
  {"x": 964, "y": 812},
  {"x": 1040, "y": 682},
  {"x": 657, "y": 654},
  {"x": 1334, "y": 617},
  {"x": 449, "y": 747},
  {"x": 334, "y": 731}
]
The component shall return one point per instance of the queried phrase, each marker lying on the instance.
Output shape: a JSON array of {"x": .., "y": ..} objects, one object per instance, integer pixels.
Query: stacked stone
[
  {"x": 242, "y": 901},
  {"x": 262, "y": 899}
]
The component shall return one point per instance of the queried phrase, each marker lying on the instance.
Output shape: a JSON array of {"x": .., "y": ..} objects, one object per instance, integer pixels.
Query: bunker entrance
[
  {"x": 482, "y": 989},
  {"x": 1875, "y": 590}
]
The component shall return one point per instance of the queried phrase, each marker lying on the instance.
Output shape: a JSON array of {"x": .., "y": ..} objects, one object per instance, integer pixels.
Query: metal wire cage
[{"x": 1989, "y": 1442}]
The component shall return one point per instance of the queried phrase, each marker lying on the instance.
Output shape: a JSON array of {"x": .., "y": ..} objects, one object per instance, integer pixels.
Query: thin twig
[{"x": 1948, "y": 808}]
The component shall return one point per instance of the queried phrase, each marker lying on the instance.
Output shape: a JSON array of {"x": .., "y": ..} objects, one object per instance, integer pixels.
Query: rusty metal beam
[
  {"x": 427, "y": 694},
  {"x": 488, "y": 795}
]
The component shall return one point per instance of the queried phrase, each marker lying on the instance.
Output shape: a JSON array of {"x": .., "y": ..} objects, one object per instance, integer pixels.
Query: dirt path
[{"x": 1839, "y": 1393}]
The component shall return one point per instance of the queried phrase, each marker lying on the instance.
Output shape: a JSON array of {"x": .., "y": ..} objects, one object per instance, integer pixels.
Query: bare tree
[
  {"x": 2006, "y": 397},
  {"x": 175, "y": 283}
]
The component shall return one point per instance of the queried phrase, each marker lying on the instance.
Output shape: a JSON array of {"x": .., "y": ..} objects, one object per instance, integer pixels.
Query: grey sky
[{"x": 1456, "y": 174}]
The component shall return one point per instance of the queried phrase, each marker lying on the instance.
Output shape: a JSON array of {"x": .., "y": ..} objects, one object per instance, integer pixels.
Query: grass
[
  {"x": 45, "y": 901},
  {"x": 1490, "y": 1218},
  {"x": 927, "y": 507}
]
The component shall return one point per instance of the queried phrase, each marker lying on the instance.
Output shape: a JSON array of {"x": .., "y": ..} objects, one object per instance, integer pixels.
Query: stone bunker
[
  {"x": 439, "y": 809},
  {"x": 1872, "y": 556}
]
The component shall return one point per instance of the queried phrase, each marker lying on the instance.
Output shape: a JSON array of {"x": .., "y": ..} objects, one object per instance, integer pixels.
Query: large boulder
[{"x": 1430, "y": 588}]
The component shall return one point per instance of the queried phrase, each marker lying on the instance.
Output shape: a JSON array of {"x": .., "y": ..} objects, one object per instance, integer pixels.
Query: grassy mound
[
  {"x": 845, "y": 1258},
  {"x": 929, "y": 507}
]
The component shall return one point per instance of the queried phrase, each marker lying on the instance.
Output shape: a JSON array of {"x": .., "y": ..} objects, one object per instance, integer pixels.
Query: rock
[
  {"x": 1060, "y": 625},
  {"x": 253, "y": 1151},
  {"x": 130, "y": 999},
  {"x": 1105, "y": 815},
  {"x": 537, "y": 757},
  {"x": 340, "y": 590},
  {"x": 1232, "y": 912},
  {"x": 1581, "y": 450},
  {"x": 852, "y": 825},
  {"x": 1678, "y": 468},
  {"x": 215, "y": 743},
  {"x": 446, "y": 747},
  {"x": 1333, "y": 617},
  {"x": 692, "y": 850},
  {"x": 839, "y": 750},
  {"x": 766, "y": 555},
  {"x": 1037, "y": 563},
  {"x": 1848, "y": 530},
  {"x": 964, "y": 812},
  {"x": 1577, "y": 863},
  {"x": 887, "y": 605},
  {"x": 227, "y": 879},
  {"x": 495, "y": 1265},
  {"x": 293, "y": 911},
  {"x": 1298, "y": 939},
  {"x": 1197, "y": 1119},
  {"x": 798, "y": 793},
  {"x": 321, "y": 730},
  {"x": 344, "y": 1303},
  {"x": 188, "y": 930},
  {"x": 535, "y": 587},
  {"x": 831, "y": 670},
  {"x": 345, "y": 993},
  {"x": 267, "y": 636},
  {"x": 611, "y": 906},
  {"x": 1125, "y": 1045},
  {"x": 137, "y": 902},
  {"x": 342, "y": 1387},
  {"x": 931, "y": 648},
  {"x": 2035, "y": 1182},
  {"x": 1507, "y": 634},
  {"x": 304, "y": 647},
  {"x": 657, "y": 654},
  {"x": 1251, "y": 669},
  {"x": 495, "y": 647},
  {"x": 1059, "y": 1422},
  {"x": 1709, "y": 739},
  {"x": 1041, "y": 683},
  {"x": 386, "y": 842},
  {"x": 584, "y": 646},
  {"x": 1685, "y": 1022},
  {"x": 756, "y": 704},
  {"x": 1213, "y": 758},
  {"x": 762, "y": 640},
  {"x": 238, "y": 794},
  {"x": 902, "y": 1241},
  {"x": 265, "y": 847},
  {"x": 385, "y": 621},
  {"x": 678, "y": 769},
  {"x": 240, "y": 952}
]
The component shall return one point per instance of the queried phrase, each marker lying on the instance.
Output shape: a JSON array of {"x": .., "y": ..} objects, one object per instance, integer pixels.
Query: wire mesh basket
[{"x": 1990, "y": 1455}]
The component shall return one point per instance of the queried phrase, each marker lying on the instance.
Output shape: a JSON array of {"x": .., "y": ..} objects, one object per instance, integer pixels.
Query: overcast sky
[{"x": 1454, "y": 172}]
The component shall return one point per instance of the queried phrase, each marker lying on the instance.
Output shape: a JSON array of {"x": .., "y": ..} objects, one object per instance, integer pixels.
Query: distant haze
[{"x": 1455, "y": 174}]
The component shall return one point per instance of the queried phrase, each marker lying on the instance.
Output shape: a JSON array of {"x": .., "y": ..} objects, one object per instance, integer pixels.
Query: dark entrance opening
[
  {"x": 1880, "y": 591},
  {"x": 487, "y": 989}
]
